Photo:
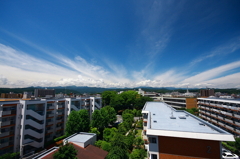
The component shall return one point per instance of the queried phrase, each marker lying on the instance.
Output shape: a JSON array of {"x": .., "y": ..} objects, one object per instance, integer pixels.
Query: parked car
[
  {"x": 228, "y": 155},
  {"x": 224, "y": 150}
]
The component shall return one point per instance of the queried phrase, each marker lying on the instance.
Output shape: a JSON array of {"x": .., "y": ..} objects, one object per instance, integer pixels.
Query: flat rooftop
[
  {"x": 80, "y": 138},
  {"x": 162, "y": 119},
  {"x": 221, "y": 100}
]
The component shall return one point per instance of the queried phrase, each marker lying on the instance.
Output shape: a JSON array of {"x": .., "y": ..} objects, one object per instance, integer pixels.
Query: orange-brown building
[
  {"x": 177, "y": 134},
  {"x": 186, "y": 103}
]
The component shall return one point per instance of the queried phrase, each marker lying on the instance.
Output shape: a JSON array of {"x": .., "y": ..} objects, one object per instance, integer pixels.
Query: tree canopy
[
  {"x": 77, "y": 121},
  {"x": 66, "y": 152}
]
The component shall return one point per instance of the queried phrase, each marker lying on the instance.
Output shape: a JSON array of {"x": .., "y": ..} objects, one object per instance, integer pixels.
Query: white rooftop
[
  {"x": 80, "y": 138},
  {"x": 165, "y": 120}
]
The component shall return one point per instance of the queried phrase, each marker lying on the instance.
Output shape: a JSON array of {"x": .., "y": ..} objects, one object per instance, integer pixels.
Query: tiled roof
[{"x": 90, "y": 152}]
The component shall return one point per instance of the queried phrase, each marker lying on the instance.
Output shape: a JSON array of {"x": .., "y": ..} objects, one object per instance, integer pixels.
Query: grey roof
[
  {"x": 162, "y": 121},
  {"x": 80, "y": 138}
]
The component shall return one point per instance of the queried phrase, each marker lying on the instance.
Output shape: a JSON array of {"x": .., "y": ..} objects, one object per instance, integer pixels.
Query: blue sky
[{"x": 120, "y": 43}]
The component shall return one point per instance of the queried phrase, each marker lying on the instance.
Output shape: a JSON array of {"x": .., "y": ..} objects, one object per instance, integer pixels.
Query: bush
[
  {"x": 60, "y": 138},
  {"x": 234, "y": 150}
]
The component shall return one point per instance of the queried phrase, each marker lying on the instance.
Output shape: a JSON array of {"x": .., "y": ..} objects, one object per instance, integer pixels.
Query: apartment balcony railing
[
  {"x": 10, "y": 112},
  {"x": 4, "y": 123},
  {"x": 2, "y": 134},
  {"x": 237, "y": 123},
  {"x": 59, "y": 113},
  {"x": 48, "y": 130},
  {"x": 229, "y": 127},
  {"x": 50, "y": 115},
  {"x": 238, "y": 116},
  {"x": 5, "y": 144},
  {"x": 220, "y": 123},
  {"x": 50, "y": 107},
  {"x": 49, "y": 123}
]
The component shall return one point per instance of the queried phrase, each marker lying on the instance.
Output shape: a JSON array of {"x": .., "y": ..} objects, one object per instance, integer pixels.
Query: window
[
  {"x": 154, "y": 156},
  {"x": 152, "y": 140}
]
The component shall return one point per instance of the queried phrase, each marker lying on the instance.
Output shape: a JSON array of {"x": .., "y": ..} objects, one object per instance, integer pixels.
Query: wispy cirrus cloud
[
  {"x": 219, "y": 51},
  {"x": 212, "y": 73}
]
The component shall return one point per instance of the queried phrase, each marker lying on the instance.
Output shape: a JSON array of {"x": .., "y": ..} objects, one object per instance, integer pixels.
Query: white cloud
[
  {"x": 212, "y": 73},
  {"x": 3, "y": 80},
  {"x": 26, "y": 70},
  {"x": 220, "y": 51}
]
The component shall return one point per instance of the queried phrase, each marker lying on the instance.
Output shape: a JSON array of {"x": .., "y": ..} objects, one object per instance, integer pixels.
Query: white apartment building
[
  {"x": 224, "y": 113},
  {"x": 26, "y": 125},
  {"x": 177, "y": 134}
]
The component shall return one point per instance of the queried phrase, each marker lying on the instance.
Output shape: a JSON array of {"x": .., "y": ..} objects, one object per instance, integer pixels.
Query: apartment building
[
  {"x": 224, "y": 113},
  {"x": 44, "y": 92},
  {"x": 207, "y": 92},
  {"x": 177, "y": 134},
  {"x": 26, "y": 125},
  {"x": 178, "y": 103}
]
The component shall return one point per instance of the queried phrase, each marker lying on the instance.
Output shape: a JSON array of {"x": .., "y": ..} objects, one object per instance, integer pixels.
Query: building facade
[
  {"x": 224, "y": 113},
  {"x": 177, "y": 134},
  {"x": 206, "y": 92},
  {"x": 178, "y": 103},
  {"x": 44, "y": 92},
  {"x": 26, "y": 125}
]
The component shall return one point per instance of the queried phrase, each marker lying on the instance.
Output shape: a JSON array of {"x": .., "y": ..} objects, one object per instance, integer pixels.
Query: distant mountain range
[{"x": 93, "y": 90}]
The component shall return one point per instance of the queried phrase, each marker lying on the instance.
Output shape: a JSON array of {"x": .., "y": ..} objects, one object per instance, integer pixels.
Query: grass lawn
[{"x": 139, "y": 132}]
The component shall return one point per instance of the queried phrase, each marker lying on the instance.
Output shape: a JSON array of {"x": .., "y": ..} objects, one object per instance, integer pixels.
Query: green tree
[
  {"x": 122, "y": 128},
  {"x": 10, "y": 155},
  {"x": 97, "y": 120},
  {"x": 98, "y": 143},
  {"x": 237, "y": 143},
  {"x": 84, "y": 120},
  {"x": 107, "y": 96},
  {"x": 140, "y": 102},
  {"x": 117, "y": 102},
  {"x": 119, "y": 148},
  {"x": 77, "y": 121},
  {"x": 138, "y": 154},
  {"x": 108, "y": 133},
  {"x": 110, "y": 114},
  {"x": 66, "y": 152},
  {"x": 138, "y": 142},
  {"x": 72, "y": 125},
  {"x": 94, "y": 130},
  {"x": 106, "y": 146}
]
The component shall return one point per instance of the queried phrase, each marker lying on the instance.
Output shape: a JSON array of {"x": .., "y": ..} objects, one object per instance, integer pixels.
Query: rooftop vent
[
  {"x": 202, "y": 124},
  {"x": 153, "y": 114},
  {"x": 155, "y": 121},
  {"x": 182, "y": 117},
  {"x": 172, "y": 117}
]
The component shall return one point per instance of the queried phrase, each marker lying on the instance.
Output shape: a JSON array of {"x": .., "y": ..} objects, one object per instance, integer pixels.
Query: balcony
[
  {"x": 237, "y": 116},
  {"x": 9, "y": 112},
  {"x": 2, "y": 134},
  {"x": 49, "y": 130},
  {"x": 59, "y": 128},
  {"x": 229, "y": 127},
  {"x": 49, "y": 115},
  {"x": 4, "y": 123},
  {"x": 49, "y": 123},
  {"x": 50, "y": 107},
  {"x": 5, "y": 144},
  {"x": 237, "y": 123},
  {"x": 59, "y": 113}
]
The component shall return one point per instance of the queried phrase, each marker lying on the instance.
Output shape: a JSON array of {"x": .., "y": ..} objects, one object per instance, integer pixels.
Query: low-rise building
[
  {"x": 224, "y": 113},
  {"x": 177, "y": 134},
  {"x": 83, "y": 143}
]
